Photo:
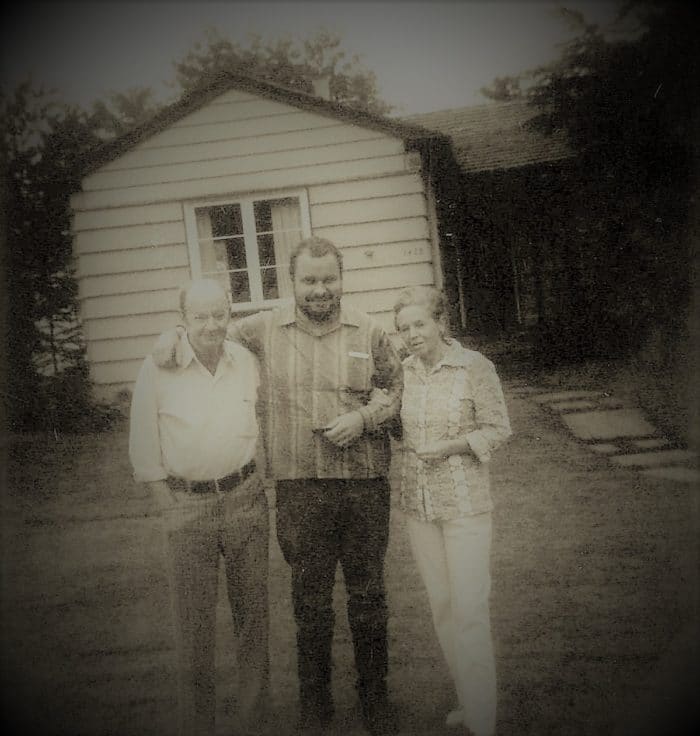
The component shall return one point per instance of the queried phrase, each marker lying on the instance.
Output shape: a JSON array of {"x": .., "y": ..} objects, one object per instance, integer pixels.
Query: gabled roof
[
  {"x": 495, "y": 136},
  {"x": 222, "y": 82}
]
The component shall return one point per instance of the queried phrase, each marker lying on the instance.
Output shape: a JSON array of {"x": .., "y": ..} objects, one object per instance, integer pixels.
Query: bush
[{"x": 59, "y": 403}]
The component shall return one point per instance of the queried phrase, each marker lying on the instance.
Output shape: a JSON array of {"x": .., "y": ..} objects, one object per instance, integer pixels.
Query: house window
[{"x": 245, "y": 243}]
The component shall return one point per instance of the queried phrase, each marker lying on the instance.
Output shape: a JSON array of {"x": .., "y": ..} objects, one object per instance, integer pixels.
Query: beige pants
[
  {"x": 453, "y": 559},
  {"x": 199, "y": 530}
]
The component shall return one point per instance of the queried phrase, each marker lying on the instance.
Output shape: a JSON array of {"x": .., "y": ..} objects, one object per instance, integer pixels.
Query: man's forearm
[{"x": 382, "y": 406}]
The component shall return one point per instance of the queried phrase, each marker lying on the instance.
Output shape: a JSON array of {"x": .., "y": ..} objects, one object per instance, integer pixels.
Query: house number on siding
[{"x": 413, "y": 250}]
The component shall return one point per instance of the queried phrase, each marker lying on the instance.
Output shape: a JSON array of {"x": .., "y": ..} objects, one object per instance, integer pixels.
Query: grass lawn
[{"x": 594, "y": 606}]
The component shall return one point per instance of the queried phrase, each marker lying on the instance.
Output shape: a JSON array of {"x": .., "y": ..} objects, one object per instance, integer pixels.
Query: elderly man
[
  {"x": 193, "y": 441},
  {"x": 332, "y": 381}
]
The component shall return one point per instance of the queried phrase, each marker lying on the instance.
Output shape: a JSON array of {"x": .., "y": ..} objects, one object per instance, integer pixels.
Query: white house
[{"x": 223, "y": 183}]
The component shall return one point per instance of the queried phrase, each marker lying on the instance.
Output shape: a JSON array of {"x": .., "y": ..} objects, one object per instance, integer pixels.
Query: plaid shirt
[
  {"x": 460, "y": 397},
  {"x": 312, "y": 373}
]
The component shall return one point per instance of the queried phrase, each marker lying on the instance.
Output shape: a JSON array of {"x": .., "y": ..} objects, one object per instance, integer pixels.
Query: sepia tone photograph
[{"x": 349, "y": 369}]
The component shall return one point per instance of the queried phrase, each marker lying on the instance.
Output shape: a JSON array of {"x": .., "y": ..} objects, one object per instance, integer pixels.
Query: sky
[{"x": 426, "y": 55}]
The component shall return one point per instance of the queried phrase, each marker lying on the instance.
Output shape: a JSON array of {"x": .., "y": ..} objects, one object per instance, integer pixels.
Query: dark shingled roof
[
  {"x": 221, "y": 82},
  {"x": 495, "y": 136}
]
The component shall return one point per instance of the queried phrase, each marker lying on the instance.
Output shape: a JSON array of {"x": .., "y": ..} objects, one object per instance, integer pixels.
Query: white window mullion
[
  {"x": 193, "y": 243},
  {"x": 305, "y": 213},
  {"x": 251, "y": 252}
]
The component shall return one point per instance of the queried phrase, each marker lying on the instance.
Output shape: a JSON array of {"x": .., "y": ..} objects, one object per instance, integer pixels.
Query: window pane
[
  {"x": 222, "y": 255},
  {"x": 269, "y": 267},
  {"x": 268, "y": 211},
  {"x": 266, "y": 250},
  {"x": 235, "y": 252},
  {"x": 240, "y": 288},
  {"x": 269, "y": 283},
  {"x": 223, "y": 243},
  {"x": 225, "y": 219}
]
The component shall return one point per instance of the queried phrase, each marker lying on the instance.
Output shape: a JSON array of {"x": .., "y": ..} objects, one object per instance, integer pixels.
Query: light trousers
[
  {"x": 453, "y": 559},
  {"x": 200, "y": 530}
]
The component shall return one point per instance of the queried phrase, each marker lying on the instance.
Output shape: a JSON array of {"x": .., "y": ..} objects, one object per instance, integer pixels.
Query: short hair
[
  {"x": 186, "y": 288},
  {"x": 424, "y": 296},
  {"x": 317, "y": 247}
]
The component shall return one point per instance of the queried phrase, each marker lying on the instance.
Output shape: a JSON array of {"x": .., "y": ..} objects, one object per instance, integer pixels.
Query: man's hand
[
  {"x": 434, "y": 452},
  {"x": 167, "y": 351},
  {"x": 345, "y": 429}
]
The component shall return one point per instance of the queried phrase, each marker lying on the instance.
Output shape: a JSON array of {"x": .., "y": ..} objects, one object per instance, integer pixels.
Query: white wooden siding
[
  {"x": 216, "y": 150},
  {"x": 111, "y": 328},
  {"x": 347, "y": 191},
  {"x": 282, "y": 178},
  {"x": 129, "y": 229},
  {"x": 374, "y": 233},
  {"x": 130, "y": 283},
  {"x": 122, "y": 216},
  {"x": 132, "y": 260},
  {"x": 226, "y": 112},
  {"x": 369, "y": 210},
  {"x": 121, "y": 305},
  {"x": 289, "y": 122},
  {"x": 393, "y": 254},
  {"x": 244, "y": 164},
  {"x": 390, "y": 277},
  {"x": 117, "y": 372},
  {"x": 133, "y": 236}
]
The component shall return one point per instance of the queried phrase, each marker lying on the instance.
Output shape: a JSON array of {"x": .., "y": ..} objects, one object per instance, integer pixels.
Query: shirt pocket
[{"x": 356, "y": 390}]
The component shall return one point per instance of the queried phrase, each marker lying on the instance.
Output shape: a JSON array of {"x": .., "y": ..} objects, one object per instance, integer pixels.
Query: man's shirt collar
[
  {"x": 188, "y": 354},
  {"x": 455, "y": 357}
]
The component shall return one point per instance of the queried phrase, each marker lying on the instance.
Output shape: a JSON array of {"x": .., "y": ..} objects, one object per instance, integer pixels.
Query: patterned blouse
[{"x": 461, "y": 396}]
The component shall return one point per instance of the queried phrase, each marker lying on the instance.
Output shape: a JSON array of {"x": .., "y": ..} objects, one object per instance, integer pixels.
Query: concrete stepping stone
[
  {"x": 661, "y": 457},
  {"x": 652, "y": 443},
  {"x": 605, "y": 448},
  {"x": 521, "y": 389},
  {"x": 573, "y": 405},
  {"x": 566, "y": 396},
  {"x": 680, "y": 473},
  {"x": 610, "y": 402},
  {"x": 608, "y": 425}
]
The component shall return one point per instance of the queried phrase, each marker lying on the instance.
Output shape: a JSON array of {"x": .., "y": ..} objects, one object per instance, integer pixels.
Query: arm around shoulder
[{"x": 166, "y": 352}]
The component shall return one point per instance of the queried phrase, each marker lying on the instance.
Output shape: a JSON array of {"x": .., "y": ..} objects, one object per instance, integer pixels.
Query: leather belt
[{"x": 217, "y": 485}]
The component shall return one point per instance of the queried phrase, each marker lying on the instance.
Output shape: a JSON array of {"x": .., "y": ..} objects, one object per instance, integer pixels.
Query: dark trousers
[{"x": 321, "y": 523}]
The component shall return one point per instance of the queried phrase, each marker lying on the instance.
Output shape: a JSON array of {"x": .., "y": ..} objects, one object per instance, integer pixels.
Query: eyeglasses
[{"x": 203, "y": 317}]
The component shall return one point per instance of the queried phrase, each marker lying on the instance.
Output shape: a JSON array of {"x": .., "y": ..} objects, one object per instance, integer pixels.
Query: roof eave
[{"x": 221, "y": 82}]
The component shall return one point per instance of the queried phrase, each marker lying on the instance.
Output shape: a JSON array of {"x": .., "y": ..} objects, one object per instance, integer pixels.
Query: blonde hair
[{"x": 424, "y": 296}]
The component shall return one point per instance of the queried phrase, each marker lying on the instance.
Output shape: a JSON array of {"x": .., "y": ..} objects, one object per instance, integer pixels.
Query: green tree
[
  {"x": 45, "y": 145},
  {"x": 122, "y": 111},
  {"x": 628, "y": 97},
  {"x": 285, "y": 62}
]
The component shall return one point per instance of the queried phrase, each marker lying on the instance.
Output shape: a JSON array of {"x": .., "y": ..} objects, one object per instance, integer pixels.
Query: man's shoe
[{"x": 380, "y": 719}]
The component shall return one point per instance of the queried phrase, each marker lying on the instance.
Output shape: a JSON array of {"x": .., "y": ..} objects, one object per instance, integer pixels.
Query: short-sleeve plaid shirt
[{"x": 313, "y": 373}]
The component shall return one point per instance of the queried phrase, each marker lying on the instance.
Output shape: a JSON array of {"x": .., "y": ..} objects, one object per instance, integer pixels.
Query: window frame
[{"x": 245, "y": 202}]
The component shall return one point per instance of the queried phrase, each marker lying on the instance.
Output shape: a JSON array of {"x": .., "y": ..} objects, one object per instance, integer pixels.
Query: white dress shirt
[{"x": 188, "y": 423}]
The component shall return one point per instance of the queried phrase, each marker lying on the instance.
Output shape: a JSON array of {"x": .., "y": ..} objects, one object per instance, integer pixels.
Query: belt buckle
[{"x": 217, "y": 488}]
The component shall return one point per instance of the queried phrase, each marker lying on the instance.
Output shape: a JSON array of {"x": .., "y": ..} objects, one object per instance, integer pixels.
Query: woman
[{"x": 453, "y": 417}]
